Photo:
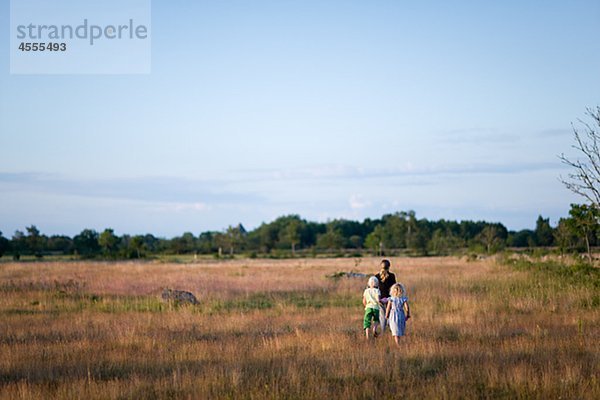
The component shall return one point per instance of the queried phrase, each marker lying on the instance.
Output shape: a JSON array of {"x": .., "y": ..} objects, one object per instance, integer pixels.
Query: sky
[{"x": 326, "y": 109}]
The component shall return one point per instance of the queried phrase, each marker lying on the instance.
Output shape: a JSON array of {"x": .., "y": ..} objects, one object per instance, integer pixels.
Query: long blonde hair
[
  {"x": 385, "y": 270},
  {"x": 397, "y": 290}
]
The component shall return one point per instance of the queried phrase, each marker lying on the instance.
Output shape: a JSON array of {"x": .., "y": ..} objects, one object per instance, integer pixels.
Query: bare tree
[{"x": 585, "y": 178}]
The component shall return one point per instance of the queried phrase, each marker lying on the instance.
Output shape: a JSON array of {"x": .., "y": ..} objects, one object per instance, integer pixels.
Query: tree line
[{"x": 291, "y": 235}]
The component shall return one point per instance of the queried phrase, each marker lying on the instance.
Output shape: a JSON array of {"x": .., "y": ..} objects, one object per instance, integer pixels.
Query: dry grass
[{"x": 281, "y": 329}]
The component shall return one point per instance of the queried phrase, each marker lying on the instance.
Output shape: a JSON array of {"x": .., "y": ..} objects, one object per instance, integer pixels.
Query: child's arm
[
  {"x": 406, "y": 309},
  {"x": 388, "y": 309},
  {"x": 364, "y": 301}
]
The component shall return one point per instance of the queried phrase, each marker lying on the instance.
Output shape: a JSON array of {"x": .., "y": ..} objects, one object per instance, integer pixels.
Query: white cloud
[
  {"x": 181, "y": 207},
  {"x": 357, "y": 202}
]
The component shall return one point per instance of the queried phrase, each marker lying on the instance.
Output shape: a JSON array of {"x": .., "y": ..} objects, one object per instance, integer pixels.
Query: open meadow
[{"x": 277, "y": 329}]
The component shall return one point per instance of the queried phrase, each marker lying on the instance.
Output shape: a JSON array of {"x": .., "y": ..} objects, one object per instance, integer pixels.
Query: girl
[
  {"x": 397, "y": 311},
  {"x": 371, "y": 301}
]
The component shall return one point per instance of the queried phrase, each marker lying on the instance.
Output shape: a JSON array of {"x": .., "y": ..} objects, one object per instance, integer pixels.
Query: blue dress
[{"x": 397, "y": 320}]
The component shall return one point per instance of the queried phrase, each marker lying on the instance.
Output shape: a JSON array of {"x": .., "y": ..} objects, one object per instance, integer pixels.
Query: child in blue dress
[{"x": 397, "y": 311}]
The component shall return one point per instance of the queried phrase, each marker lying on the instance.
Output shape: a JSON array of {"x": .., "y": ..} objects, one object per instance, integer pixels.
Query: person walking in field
[
  {"x": 397, "y": 311},
  {"x": 371, "y": 297},
  {"x": 386, "y": 280}
]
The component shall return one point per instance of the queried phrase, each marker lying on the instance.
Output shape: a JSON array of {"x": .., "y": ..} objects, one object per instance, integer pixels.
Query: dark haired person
[{"x": 386, "y": 280}]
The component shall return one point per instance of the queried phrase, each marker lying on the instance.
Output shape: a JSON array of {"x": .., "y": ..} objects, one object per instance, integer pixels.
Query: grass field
[{"x": 277, "y": 329}]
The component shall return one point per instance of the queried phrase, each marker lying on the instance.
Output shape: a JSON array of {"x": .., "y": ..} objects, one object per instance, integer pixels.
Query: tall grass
[{"x": 280, "y": 329}]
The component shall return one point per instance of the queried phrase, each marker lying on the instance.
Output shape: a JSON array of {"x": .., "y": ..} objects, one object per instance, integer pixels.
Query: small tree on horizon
[
  {"x": 34, "y": 241},
  {"x": 234, "y": 237},
  {"x": 490, "y": 238},
  {"x": 109, "y": 242},
  {"x": 330, "y": 240},
  {"x": 564, "y": 235},
  {"x": 291, "y": 233},
  {"x": 19, "y": 244},
  {"x": 137, "y": 246},
  {"x": 544, "y": 234},
  {"x": 375, "y": 240},
  {"x": 584, "y": 222},
  {"x": 86, "y": 243}
]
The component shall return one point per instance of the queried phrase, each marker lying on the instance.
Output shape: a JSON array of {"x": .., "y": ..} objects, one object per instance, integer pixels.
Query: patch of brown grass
[{"x": 280, "y": 329}]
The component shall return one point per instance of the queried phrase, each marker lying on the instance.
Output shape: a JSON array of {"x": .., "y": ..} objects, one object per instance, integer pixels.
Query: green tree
[
  {"x": 206, "y": 242},
  {"x": 153, "y": 244},
  {"x": 35, "y": 241},
  {"x": 109, "y": 242},
  {"x": 584, "y": 222},
  {"x": 490, "y": 237},
  {"x": 291, "y": 233},
  {"x": 565, "y": 236},
  {"x": 221, "y": 242},
  {"x": 355, "y": 241},
  {"x": 397, "y": 229},
  {"x": 347, "y": 229},
  {"x": 18, "y": 244},
  {"x": 137, "y": 246},
  {"x": 265, "y": 237},
  {"x": 522, "y": 238},
  {"x": 60, "y": 244},
  {"x": 417, "y": 235},
  {"x": 468, "y": 230},
  {"x": 311, "y": 231},
  {"x": 330, "y": 240},
  {"x": 187, "y": 242},
  {"x": 444, "y": 242},
  {"x": 4, "y": 245},
  {"x": 86, "y": 243},
  {"x": 235, "y": 237},
  {"x": 183, "y": 244},
  {"x": 544, "y": 234},
  {"x": 374, "y": 240}
]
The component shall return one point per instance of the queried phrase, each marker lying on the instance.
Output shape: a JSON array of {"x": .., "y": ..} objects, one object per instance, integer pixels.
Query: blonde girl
[
  {"x": 397, "y": 311},
  {"x": 371, "y": 301}
]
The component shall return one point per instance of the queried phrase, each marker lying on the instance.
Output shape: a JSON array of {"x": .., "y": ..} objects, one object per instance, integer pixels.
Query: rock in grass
[
  {"x": 179, "y": 296},
  {"x": 351, "y": 274}
]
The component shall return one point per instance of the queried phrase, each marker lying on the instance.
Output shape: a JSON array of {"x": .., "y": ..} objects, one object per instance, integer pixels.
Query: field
[{"x": 277, "y": 329}]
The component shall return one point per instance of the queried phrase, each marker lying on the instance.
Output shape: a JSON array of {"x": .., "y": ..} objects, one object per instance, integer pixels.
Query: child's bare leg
[
  {"x": 397, "y": 340},
  {"x": 367, "y": 333},
  {"x": 375, "y": 325}
]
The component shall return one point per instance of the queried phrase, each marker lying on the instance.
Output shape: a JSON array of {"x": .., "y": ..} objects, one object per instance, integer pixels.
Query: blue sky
[{"x": 327, "y": 109}]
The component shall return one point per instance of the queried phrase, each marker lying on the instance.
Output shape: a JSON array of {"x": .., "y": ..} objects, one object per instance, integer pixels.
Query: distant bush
[{"x": 579, "y": 273}]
